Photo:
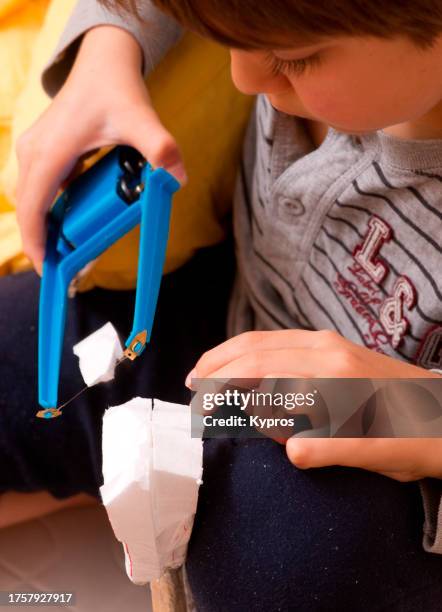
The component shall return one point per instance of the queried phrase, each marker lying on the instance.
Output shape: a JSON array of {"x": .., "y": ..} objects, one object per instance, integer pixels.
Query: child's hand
[
  {"x": 326, "y": 354},
  {"x": 403, "y": 459},
  {"x": 299, "y": 354},
  {"x": 103, "y": 102}
]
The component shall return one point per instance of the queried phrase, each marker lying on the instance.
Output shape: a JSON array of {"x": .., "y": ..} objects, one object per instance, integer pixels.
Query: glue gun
[{"x": 99, "y": 207}]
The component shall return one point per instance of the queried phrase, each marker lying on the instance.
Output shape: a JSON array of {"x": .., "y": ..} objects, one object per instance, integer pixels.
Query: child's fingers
[
  {"x": 147, "y": 134},
  {"x": 249, "y": 342},
  {"x": 383, "y": 455},
  {"x": 24, "y": 159},
  {"x": 303, "y": 363},
  {"x": 44, "y": 174},
  {"x": 321, "y": 452}
]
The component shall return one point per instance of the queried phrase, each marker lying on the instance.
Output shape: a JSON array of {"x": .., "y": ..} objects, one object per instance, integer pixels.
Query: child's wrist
[{"x": 107, "y": 45}]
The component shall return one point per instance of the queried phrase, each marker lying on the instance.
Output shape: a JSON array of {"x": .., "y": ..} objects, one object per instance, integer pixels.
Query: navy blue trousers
[
  {"x": 267, "y": 536},
  {"x": 64, "y": 455}
]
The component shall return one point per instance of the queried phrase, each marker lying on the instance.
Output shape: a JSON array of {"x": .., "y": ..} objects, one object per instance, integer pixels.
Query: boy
[{"x": 337, "y": 222}]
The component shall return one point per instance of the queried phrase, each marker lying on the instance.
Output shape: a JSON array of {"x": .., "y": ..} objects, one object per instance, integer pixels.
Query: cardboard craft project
[{"x": 152, "y": 470}]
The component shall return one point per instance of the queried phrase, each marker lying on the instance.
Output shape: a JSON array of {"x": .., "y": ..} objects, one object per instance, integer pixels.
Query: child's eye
[{"x": 280, "y": 66}]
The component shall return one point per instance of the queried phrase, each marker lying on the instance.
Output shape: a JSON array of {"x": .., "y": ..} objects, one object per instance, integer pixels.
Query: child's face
[{"x": 353, "y": 84}]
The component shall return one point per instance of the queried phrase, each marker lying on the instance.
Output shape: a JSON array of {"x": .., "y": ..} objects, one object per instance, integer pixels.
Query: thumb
[
  {"x": 321, "y": 452},
  {"x": 148, "y": 135}
]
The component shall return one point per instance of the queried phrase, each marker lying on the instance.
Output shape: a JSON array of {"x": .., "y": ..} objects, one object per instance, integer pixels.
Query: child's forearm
[
  {"x": 155, "y": 34},
  {"x": 107, "y": 96},
  {"x": 108, "y": 47}
]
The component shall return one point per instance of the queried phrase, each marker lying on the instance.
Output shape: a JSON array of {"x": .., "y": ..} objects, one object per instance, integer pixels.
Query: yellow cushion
[
  {"x": 196, "y": 100},
  {"x": 28, "y": 33}
]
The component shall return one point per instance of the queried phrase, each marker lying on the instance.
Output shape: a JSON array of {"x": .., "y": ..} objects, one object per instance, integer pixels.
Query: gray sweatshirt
[{"x": 344, "y": 237}]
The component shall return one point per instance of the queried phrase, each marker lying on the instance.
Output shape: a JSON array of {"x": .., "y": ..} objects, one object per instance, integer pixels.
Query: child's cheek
[
  {"x": 333, "y": 104},
  {"x": 344, "y": 107}
]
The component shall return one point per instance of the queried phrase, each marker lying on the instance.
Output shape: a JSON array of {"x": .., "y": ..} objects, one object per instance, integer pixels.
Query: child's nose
[{"x": 251, "y": 74}]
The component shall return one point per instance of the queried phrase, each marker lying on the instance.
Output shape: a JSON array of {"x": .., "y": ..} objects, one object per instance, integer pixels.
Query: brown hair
[{"x": 250, "y": 24}]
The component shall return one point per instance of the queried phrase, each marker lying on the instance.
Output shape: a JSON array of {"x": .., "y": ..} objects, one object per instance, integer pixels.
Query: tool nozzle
[{"x": 49, "y": 413}]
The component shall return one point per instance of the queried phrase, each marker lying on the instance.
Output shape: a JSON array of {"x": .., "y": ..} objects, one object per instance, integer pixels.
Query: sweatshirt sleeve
[
  {"x": 432, "y": 497},
  {"x": 155, "y": 32}
]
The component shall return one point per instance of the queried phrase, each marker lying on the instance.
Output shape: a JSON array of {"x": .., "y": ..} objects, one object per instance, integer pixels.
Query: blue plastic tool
[{"x": 97, "y": 209}]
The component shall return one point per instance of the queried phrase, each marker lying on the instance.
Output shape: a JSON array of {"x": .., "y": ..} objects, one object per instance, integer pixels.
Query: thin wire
[
  {"x": 123, "y": 358},
  {"x": 73, "y": 398}
]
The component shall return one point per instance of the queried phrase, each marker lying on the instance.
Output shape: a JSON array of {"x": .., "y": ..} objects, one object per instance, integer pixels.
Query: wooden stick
[{"x": 168, "y": 593}]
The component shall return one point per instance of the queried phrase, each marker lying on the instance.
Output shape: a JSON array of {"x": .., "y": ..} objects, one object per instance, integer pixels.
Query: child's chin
[
  {"x": 285, "y": 108},
  {"x": 353, "y": 131}
]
